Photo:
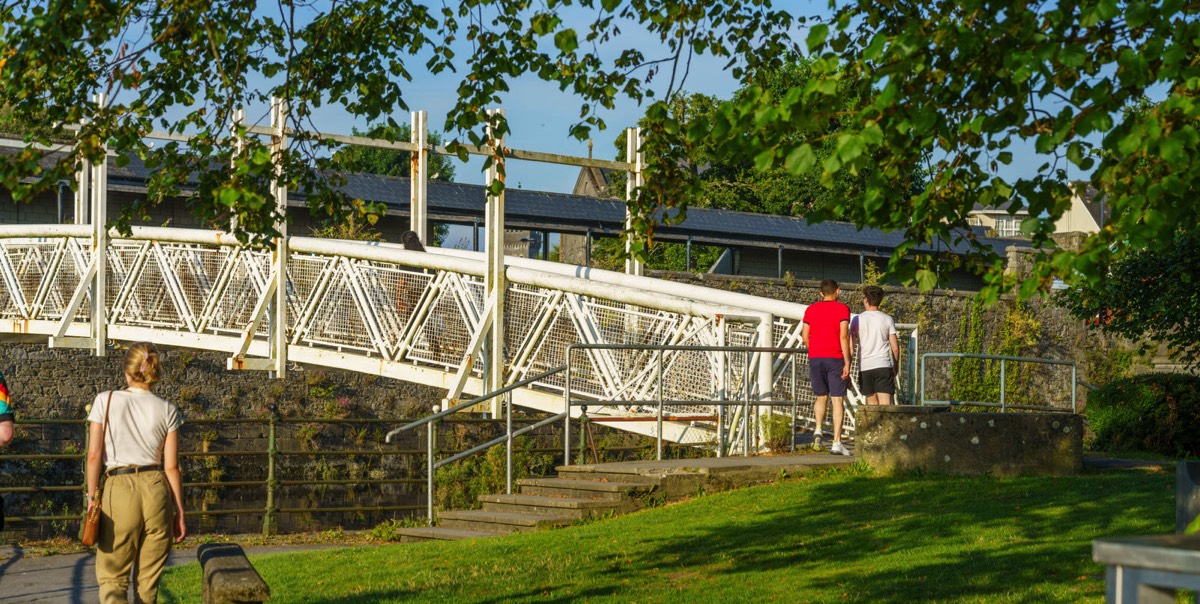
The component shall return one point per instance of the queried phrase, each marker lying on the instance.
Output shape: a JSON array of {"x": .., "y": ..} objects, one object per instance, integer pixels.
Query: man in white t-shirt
[{"x": 877, "y": 348}]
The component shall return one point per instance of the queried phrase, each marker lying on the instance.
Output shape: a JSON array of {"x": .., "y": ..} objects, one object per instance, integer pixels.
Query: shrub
[
  {"x": 1153, "y": 412},
  {"x": 777, "y": 432}
]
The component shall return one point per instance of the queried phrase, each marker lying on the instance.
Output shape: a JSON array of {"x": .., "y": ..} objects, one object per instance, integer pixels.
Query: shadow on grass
[{"x": 830, "y": 542}]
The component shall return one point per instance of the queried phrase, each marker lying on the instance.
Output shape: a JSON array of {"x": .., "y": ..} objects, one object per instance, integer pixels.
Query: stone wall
[
  {"x": 1038, "y": 328},
  {"x": 903, "y": 438}
]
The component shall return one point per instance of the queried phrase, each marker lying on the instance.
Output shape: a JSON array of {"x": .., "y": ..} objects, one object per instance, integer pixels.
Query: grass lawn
[{"x": 841, "y": 536}]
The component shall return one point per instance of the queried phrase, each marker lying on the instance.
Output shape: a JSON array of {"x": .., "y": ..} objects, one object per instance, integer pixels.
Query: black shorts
[{"x": 877, "y": 381}]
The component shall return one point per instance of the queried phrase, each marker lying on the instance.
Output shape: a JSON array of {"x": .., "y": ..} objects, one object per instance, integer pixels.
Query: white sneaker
[
  {"x": 838, "y": 448},
  {"x": 816, "y": 445}
]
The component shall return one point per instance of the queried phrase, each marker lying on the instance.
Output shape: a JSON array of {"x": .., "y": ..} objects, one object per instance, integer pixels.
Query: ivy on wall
[{"x": 979, "y": 379}]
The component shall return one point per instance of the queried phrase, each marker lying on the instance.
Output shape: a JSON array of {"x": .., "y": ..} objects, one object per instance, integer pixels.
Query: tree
[
  {"x": 390, "y": 162},
  {"x": 965, "y": 83},
  {"x": 971, "y": 82},
  {"x": 733, "y": 182},
  {"x": 1149, "y": 294},
  {"x": 188, "y": 68}
]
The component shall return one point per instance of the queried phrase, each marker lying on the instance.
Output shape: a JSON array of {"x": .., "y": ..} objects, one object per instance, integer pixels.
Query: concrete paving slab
[{"x": 71, "y": 578}]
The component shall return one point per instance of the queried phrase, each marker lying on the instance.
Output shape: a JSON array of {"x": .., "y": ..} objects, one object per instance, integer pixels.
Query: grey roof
[{"x": 464, "y": 203}]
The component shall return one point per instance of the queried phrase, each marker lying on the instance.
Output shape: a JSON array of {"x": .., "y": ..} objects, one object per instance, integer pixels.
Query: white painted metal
[
  {"x": 100, "y": 248},
  {"x": 279, "y": 343},
  {"x": 419, "y": 181},
  {"x": 633, "y": 180},
  {"x": 496, "y": 285},
  {"x": 347, "y": 314}
]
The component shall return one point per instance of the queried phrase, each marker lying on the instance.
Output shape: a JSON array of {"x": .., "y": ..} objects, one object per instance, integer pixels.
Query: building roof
[{"x": 563, "y": 213}]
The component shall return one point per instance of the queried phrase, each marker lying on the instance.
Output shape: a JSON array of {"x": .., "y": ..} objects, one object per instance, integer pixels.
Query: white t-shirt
[
  {"x": 871, "y": 331},
  {"x": 137, "y": 426}
]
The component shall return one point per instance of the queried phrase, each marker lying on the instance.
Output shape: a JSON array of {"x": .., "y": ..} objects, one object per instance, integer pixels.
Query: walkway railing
[
  {"x": 1002, "y": 403},
  {"x": 67, "y": 505}
]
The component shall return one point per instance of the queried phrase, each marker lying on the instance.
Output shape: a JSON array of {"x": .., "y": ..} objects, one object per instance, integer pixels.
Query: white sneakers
[
  {"x": 838, "y": 448},
  {"x": 816, "y": 441}
]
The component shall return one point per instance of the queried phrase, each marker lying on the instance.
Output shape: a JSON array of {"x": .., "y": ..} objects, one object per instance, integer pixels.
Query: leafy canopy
[
  {"x": 390, "y": 162},
  {"x": 186, "y": 67},
  {"x": 967, "y": 83},
  {"x": 1149, "y": 294}
]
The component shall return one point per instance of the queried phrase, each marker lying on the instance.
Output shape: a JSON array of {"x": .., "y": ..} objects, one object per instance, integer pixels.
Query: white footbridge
[{"x": 468, "y": 322}]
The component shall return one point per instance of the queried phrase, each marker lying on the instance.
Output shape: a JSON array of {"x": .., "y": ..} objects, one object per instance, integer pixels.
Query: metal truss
[{"x": 422, "y": 317}]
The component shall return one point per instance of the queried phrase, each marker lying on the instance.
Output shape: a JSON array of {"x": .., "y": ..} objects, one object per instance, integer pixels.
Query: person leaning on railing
[{"x": 142, "y": 506}]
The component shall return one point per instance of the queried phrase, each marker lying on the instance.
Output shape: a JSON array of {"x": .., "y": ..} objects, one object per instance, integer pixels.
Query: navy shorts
[
  {"x": 877, "y": 381},
  {"x": 826, "y": 377}
]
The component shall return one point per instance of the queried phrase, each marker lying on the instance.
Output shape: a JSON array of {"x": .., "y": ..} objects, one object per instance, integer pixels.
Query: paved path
[{"x": 71, "y": 578}]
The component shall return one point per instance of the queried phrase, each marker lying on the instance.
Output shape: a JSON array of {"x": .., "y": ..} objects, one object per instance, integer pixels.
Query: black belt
[{"x": 133, "y": 470}]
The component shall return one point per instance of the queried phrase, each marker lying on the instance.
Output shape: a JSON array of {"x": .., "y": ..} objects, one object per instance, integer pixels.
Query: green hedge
[{"x": 1155, "y": 413}]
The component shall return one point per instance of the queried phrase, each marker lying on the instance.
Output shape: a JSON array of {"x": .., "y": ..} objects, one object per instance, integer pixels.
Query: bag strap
[{"x": 107, "y": 430}]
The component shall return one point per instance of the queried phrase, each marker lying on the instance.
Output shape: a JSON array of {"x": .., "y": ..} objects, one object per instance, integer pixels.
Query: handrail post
[
  {"x": 1002, "y": 407},
  {"x": 746, "y": 401},
  {"x": 508, "y": 478},
  {"x": 431, "y": 444},
  {"x": 794, "y": 410},
  {"x": 272, "y": 483},
  {"x": 583, "y": 421},
  {"x": 567, "y": 413},
  {"x": 921, "y": 369},
  {"x": 1074, "y": 386},
  {"x": 658, "y": 431}
]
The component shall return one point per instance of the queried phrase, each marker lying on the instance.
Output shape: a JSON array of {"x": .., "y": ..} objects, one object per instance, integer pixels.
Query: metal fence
[
  {"x": 994, "y": 380},
  {"x": 32, "y": 471}
]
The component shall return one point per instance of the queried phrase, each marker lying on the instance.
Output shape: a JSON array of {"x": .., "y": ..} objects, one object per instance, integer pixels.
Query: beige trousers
[{"x": 135, "y": 526}]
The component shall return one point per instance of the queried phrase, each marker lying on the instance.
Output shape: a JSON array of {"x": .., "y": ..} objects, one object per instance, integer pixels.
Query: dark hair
[
  {"x": 829, "y": 287},
  {"x": 411, "y": 241},
  {"x": 873, "y": 294},
  {"x": 141, "y": 363}
]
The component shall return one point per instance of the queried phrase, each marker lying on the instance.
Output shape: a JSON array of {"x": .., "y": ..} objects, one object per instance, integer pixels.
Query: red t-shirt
[{"x": 824, "y": 321}]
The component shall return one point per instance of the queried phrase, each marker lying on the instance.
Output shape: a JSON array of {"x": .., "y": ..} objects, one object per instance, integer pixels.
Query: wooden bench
[{"x": 229, "y": 578}]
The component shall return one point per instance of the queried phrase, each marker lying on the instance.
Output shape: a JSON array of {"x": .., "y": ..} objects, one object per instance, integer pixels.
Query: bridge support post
[
  {"x": 766, "y": 370},
  {"x": 419, "y": 182},
  {"x": 99, "y": 182},
  {"x": 494, "y": 277},
  {"x": 279, "y": 341},
  {"x": 633, "y": 154}
]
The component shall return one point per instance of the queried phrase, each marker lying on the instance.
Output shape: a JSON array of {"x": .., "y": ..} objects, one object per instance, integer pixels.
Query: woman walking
[{"x": 135, "y": 436}]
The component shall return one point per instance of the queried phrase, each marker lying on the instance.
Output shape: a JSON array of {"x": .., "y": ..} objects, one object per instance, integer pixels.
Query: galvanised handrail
[
  {"x": 272, "y": 453},
  {"x": 662, "y": 403},
  {"x": 431, "y": 428},
  {"x": 1003, "y": 359}
]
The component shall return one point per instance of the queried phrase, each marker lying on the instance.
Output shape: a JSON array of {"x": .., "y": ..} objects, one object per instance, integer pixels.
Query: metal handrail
[
  {"x": 495, "y": 441},
  {"x": 271, "y": 483},
  {"x": 475, "y": 401},
  {"x": 1003, "y": 359},
  {"x": 662, "y": 403},
  {"x": 431, "y": 439}
]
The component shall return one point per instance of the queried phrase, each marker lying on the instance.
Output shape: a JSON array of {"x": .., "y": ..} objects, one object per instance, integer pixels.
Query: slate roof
[{"x": 563, "y": 213}]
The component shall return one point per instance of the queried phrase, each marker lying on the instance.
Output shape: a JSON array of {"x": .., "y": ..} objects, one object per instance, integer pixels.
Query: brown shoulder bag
[{"x": 91, "y": 519}]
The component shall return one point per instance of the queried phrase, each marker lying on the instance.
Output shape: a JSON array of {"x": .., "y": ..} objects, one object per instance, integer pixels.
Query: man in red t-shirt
[{"x": 826, "y": 334}]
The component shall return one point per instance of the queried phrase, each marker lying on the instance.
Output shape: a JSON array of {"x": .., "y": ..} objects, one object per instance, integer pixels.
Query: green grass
[{"x": 839, "y": 537}]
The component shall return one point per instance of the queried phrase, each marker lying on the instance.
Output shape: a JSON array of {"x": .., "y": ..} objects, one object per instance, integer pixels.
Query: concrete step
[
  {"x": 438, "y": 533},
  {"x": 583, "y": 489},
  {"x": 500, "y": 522},
  {"x": 572, "y": 507},
  {"x": 593, "y": 472}
]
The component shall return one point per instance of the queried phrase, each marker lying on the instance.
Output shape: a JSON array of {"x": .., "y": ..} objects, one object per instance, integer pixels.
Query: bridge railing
[{"x": 365, "y": 307}]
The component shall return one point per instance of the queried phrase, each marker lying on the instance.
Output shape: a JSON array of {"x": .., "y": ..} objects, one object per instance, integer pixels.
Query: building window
[{"x": 1008, "y": 226}]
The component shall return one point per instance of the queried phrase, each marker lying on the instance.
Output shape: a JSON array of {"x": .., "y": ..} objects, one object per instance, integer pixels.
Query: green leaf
[
  {"x": 800, "y": 160},
  {"x": 817, "y": 35},
  {"x": 927, "y": 280},
  {"x": 763, "y": 161},
  {"x": 566, "y": 41}
]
